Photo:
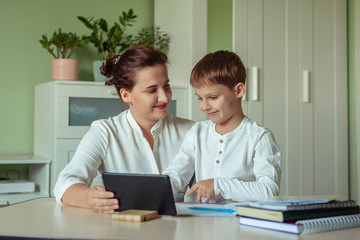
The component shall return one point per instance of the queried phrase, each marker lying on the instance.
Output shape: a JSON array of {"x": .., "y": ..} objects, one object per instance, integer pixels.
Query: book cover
[
  {"x": 291, "y": 216},
  {"x": 266, "y": 224},
  {"x": 301, "y": 205},
  {"x": 306, "y": 226},
  {"x": 134, "y": 215}
]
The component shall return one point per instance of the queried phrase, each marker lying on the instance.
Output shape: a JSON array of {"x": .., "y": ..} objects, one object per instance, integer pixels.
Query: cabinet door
[
  {"x": 259, "y": 39},
  {"x": 248, "y": 44},
  {"x": 330, "y": 97},
  {"x": 295, "y": 53},
  {"x": 65, "y": 150}
]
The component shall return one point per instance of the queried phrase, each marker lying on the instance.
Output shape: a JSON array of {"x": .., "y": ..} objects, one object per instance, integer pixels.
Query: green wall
[{"x": 219, "y": 25}]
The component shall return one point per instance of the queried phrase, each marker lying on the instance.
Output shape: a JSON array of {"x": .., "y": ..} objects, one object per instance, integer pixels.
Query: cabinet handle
[
  {"x": 306, "y": 86},
  {"x": 255, "y": 83}
]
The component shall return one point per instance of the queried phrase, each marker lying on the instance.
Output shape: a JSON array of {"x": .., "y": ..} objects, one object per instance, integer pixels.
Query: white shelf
[
  {"x": 23, "y": 159},
  {"x": 39, "y": 173}
]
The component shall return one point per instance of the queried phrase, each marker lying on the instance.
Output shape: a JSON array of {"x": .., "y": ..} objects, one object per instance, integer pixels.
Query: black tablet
[{"x": 141, "y": 191}]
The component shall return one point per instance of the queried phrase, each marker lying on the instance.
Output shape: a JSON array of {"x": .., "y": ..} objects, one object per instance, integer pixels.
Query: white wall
[
  {"x": 357, "y": 83},
  {"x": 186, "y": 23}
]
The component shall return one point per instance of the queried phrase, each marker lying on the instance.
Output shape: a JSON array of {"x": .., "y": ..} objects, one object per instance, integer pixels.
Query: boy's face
[{"x": 220, "y": 103}]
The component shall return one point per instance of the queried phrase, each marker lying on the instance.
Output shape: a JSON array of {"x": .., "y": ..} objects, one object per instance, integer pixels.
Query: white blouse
[
  {"x": 245, "y": 163},
  {"x": 117, "y": 144}
]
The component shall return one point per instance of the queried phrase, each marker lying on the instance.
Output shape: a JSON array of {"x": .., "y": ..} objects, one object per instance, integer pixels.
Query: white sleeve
[
  {"x": 267, "y": 171},
  {"x": 182, "y": 167},
  {"x": 85, "y": 162}
]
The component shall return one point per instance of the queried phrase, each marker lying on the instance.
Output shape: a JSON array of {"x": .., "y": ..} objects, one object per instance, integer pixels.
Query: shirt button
[
  {"x": 220, "y": 152},
  {"x": 221, "y": 141},
  {"x": 217, "y": 161}
]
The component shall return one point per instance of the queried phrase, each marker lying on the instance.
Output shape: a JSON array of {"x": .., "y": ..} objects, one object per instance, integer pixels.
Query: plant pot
[
  {"x": 64, "y": 69},
  {"x": 98, "y": 77}
]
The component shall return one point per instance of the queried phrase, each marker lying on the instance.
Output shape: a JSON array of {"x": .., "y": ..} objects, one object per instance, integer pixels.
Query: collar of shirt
[
  {"x": 154, "y": 130},
  {"x": 228, "y": 135}
]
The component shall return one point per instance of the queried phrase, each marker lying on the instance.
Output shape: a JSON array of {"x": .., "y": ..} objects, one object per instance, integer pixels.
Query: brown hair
[
  {"x": 121, "y": 69},
  {"x": 220, "y": 67}
]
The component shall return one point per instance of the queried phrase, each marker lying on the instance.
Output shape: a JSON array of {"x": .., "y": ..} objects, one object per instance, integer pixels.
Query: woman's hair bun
[
  {"x": 108, "y": 68},
  {"x": 103, "y": 69}
]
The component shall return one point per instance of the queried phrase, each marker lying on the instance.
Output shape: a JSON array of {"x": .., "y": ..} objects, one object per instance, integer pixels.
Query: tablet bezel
[{"x": 141, "y": 191}]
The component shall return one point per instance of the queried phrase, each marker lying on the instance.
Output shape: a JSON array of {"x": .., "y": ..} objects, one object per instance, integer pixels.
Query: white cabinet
[
  {"x": 39, "y": 172},
  {"x": 64, "y": 111},
  {"x": 295, "y": 53}
]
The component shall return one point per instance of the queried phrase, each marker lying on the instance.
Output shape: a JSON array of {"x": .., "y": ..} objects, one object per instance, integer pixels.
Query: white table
[{"x": 43, "y": 218}]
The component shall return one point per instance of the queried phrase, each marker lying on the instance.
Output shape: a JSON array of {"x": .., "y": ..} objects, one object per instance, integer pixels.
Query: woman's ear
[
  {"x": 240, "y": 89},
  {"x": 125, "y": 95}
]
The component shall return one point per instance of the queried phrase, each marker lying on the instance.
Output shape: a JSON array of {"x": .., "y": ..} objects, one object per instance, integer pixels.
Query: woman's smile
[{"x": 161, "y": 106}]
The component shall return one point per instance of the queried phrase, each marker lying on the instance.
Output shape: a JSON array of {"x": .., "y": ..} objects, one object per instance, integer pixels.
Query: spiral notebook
[{"x": 306, "y": 226}]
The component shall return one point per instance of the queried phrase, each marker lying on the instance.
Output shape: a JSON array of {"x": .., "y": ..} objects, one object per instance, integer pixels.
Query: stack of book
[{"x": 300, "y": 216}]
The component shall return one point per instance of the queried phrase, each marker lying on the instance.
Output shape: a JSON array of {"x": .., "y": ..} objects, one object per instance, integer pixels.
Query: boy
[{"x": 233, "y": 158}]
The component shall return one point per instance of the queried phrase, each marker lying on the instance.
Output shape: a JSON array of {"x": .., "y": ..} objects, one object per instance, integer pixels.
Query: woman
[{"x": 142, "y": 139}]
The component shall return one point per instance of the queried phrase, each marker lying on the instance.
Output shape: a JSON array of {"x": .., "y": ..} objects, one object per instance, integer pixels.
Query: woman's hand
[
  {"x": 204, "y": 188},
  {"x": 101, "y": 201},
  {"x": 95, "y": 198}
]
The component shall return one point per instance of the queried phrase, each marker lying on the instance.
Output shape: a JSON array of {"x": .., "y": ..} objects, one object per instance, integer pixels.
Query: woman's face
[{"x": 150, "y": 96}]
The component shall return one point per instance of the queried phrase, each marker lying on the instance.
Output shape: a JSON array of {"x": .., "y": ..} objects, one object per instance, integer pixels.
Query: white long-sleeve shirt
[
  {"x": 117, "y": 144},
  {"x": 245, "y": 163}
]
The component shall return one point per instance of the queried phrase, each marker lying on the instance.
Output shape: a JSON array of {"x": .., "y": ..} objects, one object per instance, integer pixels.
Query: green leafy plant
[
  {"x": 61, "y": 44},
  {"x": 114, "y": 40},
  {"x": 153, "y": 37},
  {"x": 110, "y": 40}
]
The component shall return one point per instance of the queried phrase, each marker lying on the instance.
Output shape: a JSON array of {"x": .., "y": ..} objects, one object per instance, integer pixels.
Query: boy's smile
[{"x": 210, "y": 114}]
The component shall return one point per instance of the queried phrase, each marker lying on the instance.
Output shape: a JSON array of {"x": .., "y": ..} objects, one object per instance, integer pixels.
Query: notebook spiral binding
[{"x": 329, "y": 224}]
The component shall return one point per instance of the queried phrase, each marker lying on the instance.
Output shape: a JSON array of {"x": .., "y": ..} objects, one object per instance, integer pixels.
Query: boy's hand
[
  {"x": 102, "y": 201},
  {"x": 204, "y": 188}
]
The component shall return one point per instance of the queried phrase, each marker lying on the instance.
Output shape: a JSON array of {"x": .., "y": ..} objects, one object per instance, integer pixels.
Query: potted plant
[
  {"x": 154, "y": 37},
  {"x": 114, "y": 40},
  {"x": 61, "y": 46},
  {"x": 109, "y": 40}
]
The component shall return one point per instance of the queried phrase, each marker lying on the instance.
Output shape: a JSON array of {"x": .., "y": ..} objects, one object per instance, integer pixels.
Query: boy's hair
[{"x": 220, "y": 67}]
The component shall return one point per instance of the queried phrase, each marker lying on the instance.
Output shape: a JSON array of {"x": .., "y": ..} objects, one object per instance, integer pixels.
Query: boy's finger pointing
[{"x": 191, "y": 191}]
